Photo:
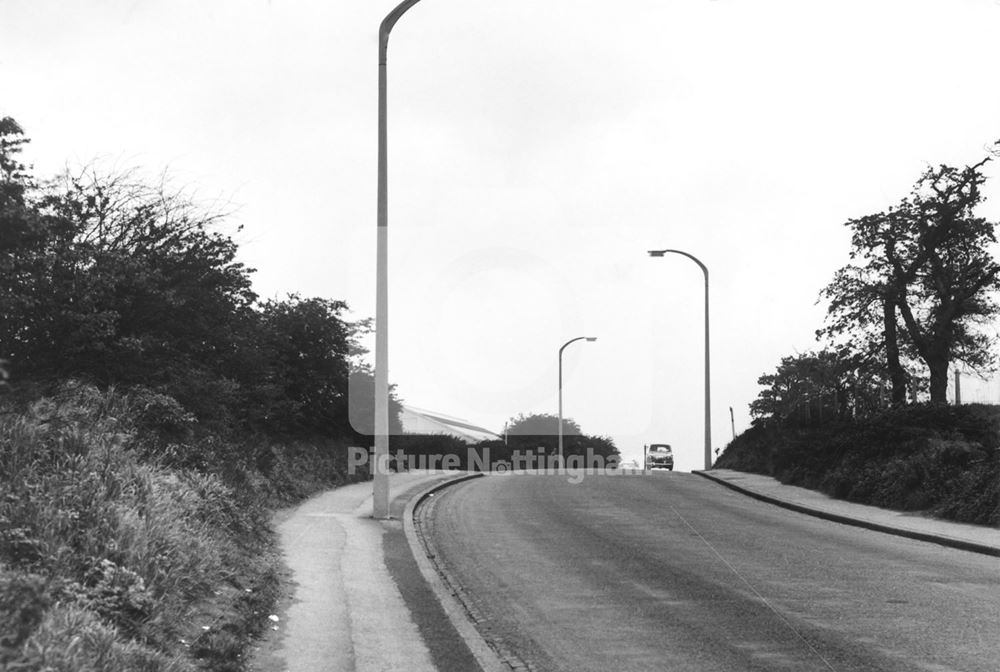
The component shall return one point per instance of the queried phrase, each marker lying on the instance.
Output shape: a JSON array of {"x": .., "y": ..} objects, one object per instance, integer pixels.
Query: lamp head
[
  {"x": 657, "y": 253},
  {"x": 591, "y": 338}
]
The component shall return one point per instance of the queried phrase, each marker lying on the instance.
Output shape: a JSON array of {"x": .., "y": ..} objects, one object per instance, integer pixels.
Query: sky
[{"x": 537, "y": 150}]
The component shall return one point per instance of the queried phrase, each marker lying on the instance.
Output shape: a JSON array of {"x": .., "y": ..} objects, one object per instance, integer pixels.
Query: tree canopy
[
  {"x": 540, "y": 431},
  {"x": 920, "y": 282},
  {"x": 920, "y": 286},
  {"x": 112, "y": 279},
  {"x": 815, "y": 387}
]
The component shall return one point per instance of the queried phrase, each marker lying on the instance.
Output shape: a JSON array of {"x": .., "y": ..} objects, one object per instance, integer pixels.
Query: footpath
[
  {"x": 975, "y": 538},
  {"x": 355, "y": 589}
]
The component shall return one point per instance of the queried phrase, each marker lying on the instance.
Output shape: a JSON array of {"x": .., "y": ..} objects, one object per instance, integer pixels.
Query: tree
[
  {"x": 923, "y": 265},
  {"x": 541, "y": 431},
  {"x": 28, "y": 246},
  {"x": 117, "y": 281},
  {"x": 305, "y": 381},
  {"x": 816, "y": 387},
  {"x": 112, "y": 279},
  {"x": 862, "y": 319},
  {"x": 541, "y": 424}
]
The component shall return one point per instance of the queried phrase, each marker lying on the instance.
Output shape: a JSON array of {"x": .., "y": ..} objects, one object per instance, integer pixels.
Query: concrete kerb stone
[
  {"x": 951, "y": 542},
  {"x": 487, "y": 658}
]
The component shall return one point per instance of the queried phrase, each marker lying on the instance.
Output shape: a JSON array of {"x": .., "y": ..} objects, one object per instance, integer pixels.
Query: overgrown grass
[
  {"x": 129, "y": 543},
  {"x": 943, "y": 460}
]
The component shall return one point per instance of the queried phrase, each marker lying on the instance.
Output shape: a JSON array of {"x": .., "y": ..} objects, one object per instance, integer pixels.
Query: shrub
[{"x": 934, "y": 458}]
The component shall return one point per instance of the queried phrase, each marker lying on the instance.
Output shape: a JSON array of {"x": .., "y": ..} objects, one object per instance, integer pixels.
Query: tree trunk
[
  {"x": 939, "y": 379},
  {"x": 897, "y": 377}
]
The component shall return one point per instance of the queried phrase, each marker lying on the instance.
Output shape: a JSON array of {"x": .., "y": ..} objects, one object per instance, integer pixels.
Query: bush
[{"x": 938, "y": 459}]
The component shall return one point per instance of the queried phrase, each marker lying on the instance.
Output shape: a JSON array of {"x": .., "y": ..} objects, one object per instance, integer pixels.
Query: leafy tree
[
  {"x": 111, "y": 279},
  {"x": 922, "y": 267},
  {"x": 21, "y": 229},
  {"x": 816, "y": 387},
  {"x": 541, "y": 424},
  {"x": 305, "y": 375},
  {"x": 862, "y": 319},
  {"x": 541, "y": 431},
  {"x": 121, "y": 282},
  {"x": 14, "y": 179}
]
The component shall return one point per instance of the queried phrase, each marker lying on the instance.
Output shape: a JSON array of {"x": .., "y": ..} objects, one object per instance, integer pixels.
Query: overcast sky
[{"x": 538, "y": 149}]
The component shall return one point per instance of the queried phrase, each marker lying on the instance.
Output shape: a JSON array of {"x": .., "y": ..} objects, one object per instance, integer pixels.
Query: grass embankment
[
  {"x": 942, "y": 460},
  {"x": 127, "y": 544}
]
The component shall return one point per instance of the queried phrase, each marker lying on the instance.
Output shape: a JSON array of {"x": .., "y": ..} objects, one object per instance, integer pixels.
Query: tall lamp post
[
  {"x": 380, "y": 487},
  {"x": 708, "y": 383},
  {"x": 572, "y": 340}
]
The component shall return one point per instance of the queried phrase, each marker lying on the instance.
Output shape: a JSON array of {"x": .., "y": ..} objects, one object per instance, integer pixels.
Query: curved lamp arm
[
  {"x": 386, "y": 27},
  {"x": 574, "y": 340},
  {"x": 660, "y": 253}
]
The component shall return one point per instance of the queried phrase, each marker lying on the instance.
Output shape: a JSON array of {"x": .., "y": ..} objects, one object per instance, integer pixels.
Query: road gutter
[{"x": 488, "y": 659}]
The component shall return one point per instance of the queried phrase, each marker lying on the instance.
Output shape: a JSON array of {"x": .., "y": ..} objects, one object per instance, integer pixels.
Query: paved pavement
[
  {"x": 977, "y": 538},
  {"x": 347, "y": 612}
]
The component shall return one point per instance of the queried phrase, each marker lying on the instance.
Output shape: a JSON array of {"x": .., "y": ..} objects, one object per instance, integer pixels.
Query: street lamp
[
  {"x": 380, "y": 486},
  {"x": 572, "y": 340},
  {"x": 708, "y": 384}
]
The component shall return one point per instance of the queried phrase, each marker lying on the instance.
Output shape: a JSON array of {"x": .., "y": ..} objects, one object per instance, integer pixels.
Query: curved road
[{"x": 673, "y": 572}]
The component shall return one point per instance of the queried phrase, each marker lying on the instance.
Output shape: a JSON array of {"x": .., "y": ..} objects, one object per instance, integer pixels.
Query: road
[{"x": 673, "y": 572}]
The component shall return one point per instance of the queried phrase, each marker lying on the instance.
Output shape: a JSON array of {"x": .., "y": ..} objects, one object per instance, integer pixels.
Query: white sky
[{"x": 537, "y": 149}]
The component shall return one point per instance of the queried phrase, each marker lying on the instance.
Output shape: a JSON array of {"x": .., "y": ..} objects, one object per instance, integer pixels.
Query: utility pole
[
  {"x": 732, "y": 422},
  {"x": 380, "y": 469}
]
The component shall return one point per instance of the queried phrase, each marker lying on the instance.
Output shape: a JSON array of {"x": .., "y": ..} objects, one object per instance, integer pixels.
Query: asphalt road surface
[{"x": 673, "y": 572}]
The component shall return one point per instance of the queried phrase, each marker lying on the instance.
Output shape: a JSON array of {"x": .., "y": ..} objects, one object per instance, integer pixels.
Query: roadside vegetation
[
  {"x": 865, "y": 417},
  {"x": 152, "y": 412},
  {"x": 936, "y": 459}
]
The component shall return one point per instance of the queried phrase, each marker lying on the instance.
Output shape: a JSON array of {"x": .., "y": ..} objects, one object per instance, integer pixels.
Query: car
[{"x": 660, "y": 456}]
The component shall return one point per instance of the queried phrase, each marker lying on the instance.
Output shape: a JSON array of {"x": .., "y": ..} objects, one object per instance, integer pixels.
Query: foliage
[
  {"x": 133, "y": 503},
  {"x": 302, "y": 373},
  {"x": 862, "y": 319},
  {"x": 816, "y": 387},
  {"x": 130, "y": 543},
  {"x": 921, "y": 280},
  {"x": 106, "y": 527},
  {"x": 121, "y": 282},
  {"x": 941, "y": 459},
  {"x": 110, "y": 279},
  {"x": 540, "y": 432}
]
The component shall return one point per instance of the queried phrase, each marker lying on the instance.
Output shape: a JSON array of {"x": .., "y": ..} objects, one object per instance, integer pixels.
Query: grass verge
[{"x": 127, "y": 543}]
